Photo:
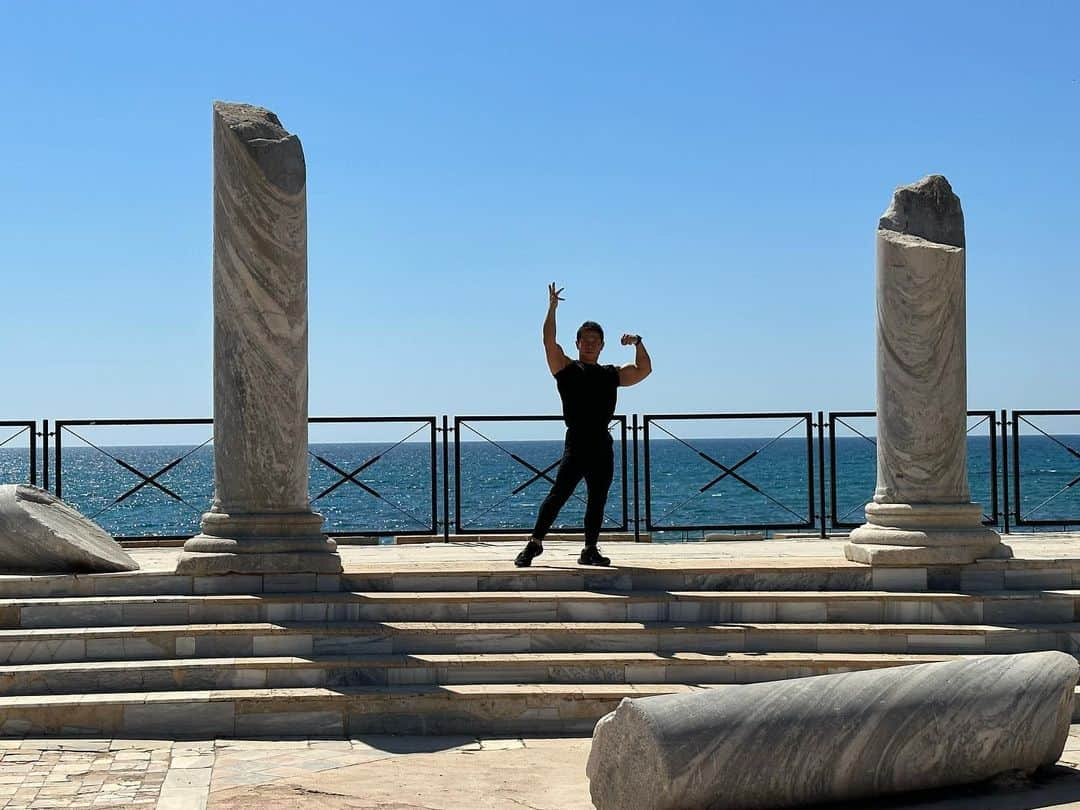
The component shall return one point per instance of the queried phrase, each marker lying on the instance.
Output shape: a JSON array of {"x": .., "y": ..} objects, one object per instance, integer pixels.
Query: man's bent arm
[{"x": 633, "y": 373}]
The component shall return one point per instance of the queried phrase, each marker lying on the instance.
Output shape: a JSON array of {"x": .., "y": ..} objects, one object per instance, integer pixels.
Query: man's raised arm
[
  {"x": 556, "y": 357},
  {"x": 641, "y": 368}
]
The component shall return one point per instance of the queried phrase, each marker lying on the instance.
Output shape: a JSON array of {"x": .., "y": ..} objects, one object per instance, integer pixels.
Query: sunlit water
[{"x": 773, "y": 487}]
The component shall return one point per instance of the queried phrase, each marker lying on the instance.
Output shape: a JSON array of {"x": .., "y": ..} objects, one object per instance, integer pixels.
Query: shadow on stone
[{"x": 1048, "y": 787}]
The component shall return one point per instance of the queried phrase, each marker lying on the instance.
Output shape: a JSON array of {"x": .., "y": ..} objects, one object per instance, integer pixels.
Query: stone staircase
[{"x": 489, "y": 650}]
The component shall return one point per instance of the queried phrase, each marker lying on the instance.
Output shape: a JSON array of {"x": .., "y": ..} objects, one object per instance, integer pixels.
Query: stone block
[
  {"x": 648, "y": 611},
  {"x": 857, "y": 610},
  {"x": 956, "y": 611},
  {"x": 800, "y": 611},
  {"x": 282, "y": 644},
  {"x": 290, "y": 583},
  {"x": 1038, "y": 578},
  {"x": 1029, "y": 611},
  {"x": 832, "y": 738},
  {"x": 977, "y": 578},
  {"x": 227, "y": 584},
  {"x": 690, "y": 611},
  {"x": 358, "y": 644},
  {"x": 899, "y": 579},
  {"x": 753, "y": 611},
  {"x": 593, "y": 610},
  {"x": 946, "y": 643},
  {"x": 180, "y": 718},
  {"x": 714, "y": 640},
  {"x": 41, "y": 533},
  {"x": 908, "y": 611},
  {"x": 318, "y": 723}
]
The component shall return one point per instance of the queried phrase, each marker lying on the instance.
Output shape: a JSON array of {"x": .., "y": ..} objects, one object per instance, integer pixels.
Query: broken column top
[
  {"x": 928, "y": 209},
  {"x": 277, "y": 152}
]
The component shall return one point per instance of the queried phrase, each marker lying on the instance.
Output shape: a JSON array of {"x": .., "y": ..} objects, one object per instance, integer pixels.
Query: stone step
[
  {"x": 436, "y": 669},
  {"x": 676, "y": 572},
  {"x": 547, "y": 606},
  {"x": 376, "y": 638},
  {"x": 487, "y": 709}
]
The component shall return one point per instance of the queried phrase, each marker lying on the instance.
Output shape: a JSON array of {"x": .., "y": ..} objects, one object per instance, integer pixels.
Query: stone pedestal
[
  {"x": 261, "y": 519},
  {"x": 922, "y": 512}
]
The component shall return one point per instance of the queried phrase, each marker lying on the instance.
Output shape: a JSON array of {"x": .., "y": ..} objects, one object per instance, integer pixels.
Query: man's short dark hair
[{"x": 591, "y": 326}]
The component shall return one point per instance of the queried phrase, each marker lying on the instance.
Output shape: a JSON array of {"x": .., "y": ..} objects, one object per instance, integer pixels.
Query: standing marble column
[
  {"x": 922, "y": 512},
  {"x": 261, "y": 519}
]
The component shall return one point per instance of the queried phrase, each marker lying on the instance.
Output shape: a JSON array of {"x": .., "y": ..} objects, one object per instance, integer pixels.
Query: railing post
[
  {"x": 59, "y": 462},
  {"x": 44, "y": 453},
  {"x": 645, "y": 458},
  {"x": 446, "y": 479},
  {"x": 1005, "y": 471},
  {"x": 821, "y": 470},
  {"x": 1016, "y": 465},
  {"x": 637, "y": 506},
  {"x": 33, "y": 453}
]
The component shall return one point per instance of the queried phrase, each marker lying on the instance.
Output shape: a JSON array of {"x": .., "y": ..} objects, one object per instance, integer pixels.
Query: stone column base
[
  {"x": 270, "y": 543},
  {"x": 924, "y": 534}
]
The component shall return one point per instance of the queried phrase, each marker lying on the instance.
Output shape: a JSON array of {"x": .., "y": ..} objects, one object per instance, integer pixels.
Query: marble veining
[
  {"x": 834, "y": 737},
  {"x": 922, "y": 513}
]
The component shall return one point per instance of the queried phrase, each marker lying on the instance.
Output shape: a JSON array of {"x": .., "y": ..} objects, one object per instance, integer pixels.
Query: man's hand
[
  {"x": 630, "y": 340},
  {"x": 554, "y": 296}
]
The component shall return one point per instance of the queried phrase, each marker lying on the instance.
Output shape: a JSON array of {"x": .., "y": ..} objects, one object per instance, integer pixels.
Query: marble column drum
[
  {"x": 261, "y": 520},
  {"x": 922, "y": 513},
  {"x": 834, "y": 738}
]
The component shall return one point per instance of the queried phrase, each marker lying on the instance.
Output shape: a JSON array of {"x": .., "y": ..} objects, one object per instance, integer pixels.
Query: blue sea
[{"x": 772, "y": 487}]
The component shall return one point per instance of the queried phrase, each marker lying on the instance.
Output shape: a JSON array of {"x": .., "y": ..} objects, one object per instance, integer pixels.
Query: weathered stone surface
[
  {"x": 834, "y": 737},
  {"x": 41, "y": 533},
  {"x": 922, "y": 511},
  {"x": 261, "y": 506}
]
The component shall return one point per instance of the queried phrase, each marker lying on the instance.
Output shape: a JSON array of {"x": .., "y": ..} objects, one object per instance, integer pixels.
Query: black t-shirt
[{"x": 588, "y": 394}]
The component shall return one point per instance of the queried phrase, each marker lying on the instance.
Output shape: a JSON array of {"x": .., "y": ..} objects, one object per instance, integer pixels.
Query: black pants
[{"x": 592, "y": 459}]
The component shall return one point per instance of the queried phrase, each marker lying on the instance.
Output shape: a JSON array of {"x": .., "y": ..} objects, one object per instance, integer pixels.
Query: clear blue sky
[{"x": 707, "y": 174}]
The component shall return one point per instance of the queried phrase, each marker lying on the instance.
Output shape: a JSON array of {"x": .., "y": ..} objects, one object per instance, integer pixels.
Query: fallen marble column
[
  {"x": 922, "y": 513},
  {"x": 834, "y": 737},
  {"x": 39, "y": 533},
  {"x": 261, "y": 520}
]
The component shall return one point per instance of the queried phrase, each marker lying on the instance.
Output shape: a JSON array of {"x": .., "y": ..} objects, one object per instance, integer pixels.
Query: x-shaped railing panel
[
  {"x": 844, "y": 419},
  {"x": 538, "y": 473},
  {"x": 12, "y": 429},
  {"x": 351, "y": 476},
  {"x": 729, "y": 471},
  {"x": 145, "y": 480},
  {"x": 1064, "y": 446}
]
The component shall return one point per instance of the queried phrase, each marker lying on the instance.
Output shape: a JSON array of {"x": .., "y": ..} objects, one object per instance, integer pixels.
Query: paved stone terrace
[
  {"x": 1032, "y": 548},
  {"x": 380, "y": 773}
]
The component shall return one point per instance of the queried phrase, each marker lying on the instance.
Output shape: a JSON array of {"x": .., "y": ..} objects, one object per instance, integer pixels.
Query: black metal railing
[
  {"x": 154, "y": 478},
  {"x": 331, "y": 472},
  {"x": 839, "y": 520},
  {"x": 1058, "y": 457},
  {"x": 733, "y": 472},
  {"x": 529, "y": 473},
  {"x": 358, "y": 484},
  {"x": 346, "y": 474},
  {"x": 11, "y": 471}
]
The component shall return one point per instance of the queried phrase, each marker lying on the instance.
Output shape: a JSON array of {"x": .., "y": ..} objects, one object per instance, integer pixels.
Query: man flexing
[{"x": 588, "y": 392}]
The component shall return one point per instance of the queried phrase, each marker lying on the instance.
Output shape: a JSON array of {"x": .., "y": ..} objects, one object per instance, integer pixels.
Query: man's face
[{"x": 589, "y": 345}]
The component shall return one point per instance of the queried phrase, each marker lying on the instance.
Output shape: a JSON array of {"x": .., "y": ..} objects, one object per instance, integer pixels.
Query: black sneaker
[
  {"x": 590, "y": 555},
  {"x": 531, "y": 551}
]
